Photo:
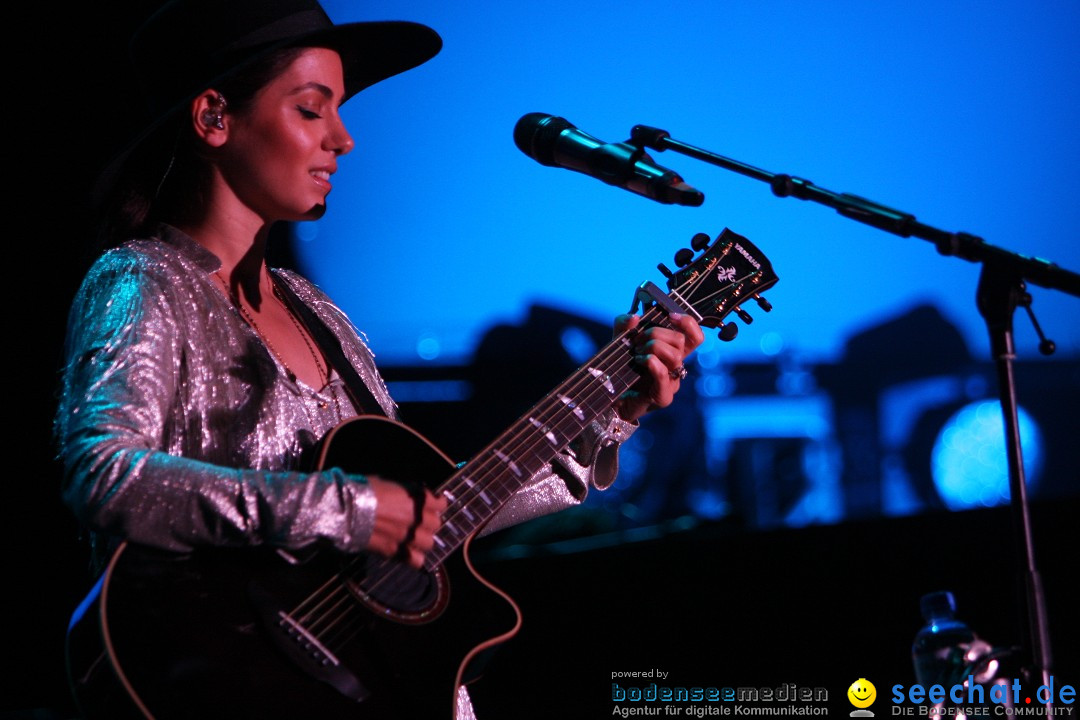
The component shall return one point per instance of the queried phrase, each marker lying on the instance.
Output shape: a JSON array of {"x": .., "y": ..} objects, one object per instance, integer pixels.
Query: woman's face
[{"x": 281, "y": 151}]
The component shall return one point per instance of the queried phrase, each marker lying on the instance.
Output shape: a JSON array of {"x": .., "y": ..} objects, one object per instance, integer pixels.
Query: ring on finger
[{"x": 678, "y": 373}]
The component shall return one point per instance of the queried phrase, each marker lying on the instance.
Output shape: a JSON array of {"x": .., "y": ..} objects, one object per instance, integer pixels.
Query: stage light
[
  {"x": 969, "y": 464},
  {"x": 428, "y": 346},
  {"x": 578, "y": 343}
]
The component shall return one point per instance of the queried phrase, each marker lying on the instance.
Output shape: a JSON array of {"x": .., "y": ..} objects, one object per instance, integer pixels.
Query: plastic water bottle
[{"x": 942, "y": 645}]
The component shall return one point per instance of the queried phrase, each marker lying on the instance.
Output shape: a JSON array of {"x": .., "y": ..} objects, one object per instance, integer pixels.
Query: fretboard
[{"x": 488, "y": 481}]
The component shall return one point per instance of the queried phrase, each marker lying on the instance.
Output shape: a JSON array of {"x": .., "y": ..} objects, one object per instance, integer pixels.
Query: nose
[{"x": 338, "y": 138}]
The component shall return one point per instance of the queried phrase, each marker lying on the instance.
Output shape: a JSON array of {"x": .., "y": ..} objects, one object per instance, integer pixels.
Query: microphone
[{"x": 553, "y": 141}]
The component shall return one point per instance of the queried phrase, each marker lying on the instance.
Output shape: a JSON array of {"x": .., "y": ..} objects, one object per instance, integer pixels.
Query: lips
[{"x": 322, "y": 177}]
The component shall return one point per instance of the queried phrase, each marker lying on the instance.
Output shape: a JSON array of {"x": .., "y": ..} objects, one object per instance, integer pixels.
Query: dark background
[{"x": 715, "y": 603}]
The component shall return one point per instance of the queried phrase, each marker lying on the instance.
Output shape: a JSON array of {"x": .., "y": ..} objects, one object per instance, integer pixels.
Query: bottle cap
[{"x": 937, "y": 604}]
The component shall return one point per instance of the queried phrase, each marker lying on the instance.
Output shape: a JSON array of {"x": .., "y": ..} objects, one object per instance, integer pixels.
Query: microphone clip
[{"x": 643, "y": 136}]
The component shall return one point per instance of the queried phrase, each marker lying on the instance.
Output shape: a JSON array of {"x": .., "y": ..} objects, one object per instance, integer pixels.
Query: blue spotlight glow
[
  {"x": 428, "y": 346},
  {"x": 969, "y": 463},
  {"x": 772, "y": 343},
  {"x": 577, "y": 344},
  {"x": 306, "y": 231}
]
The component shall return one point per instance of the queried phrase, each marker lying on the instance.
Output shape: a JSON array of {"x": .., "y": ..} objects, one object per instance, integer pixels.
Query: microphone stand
[{"x": 1000, "y": 291}]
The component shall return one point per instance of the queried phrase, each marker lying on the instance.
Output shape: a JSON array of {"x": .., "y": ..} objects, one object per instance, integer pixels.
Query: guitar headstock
[{"x": 729, "y": 271}]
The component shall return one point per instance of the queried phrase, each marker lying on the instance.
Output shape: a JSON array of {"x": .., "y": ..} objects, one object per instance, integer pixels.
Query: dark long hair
[{"x": 165, "y": 178}]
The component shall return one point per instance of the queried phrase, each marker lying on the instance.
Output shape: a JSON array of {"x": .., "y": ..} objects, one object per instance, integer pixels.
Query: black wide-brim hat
[{"x": 188, "y": 46}]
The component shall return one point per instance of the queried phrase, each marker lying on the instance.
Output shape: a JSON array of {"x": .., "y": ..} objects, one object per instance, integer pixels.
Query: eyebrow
[{"x": 322, "y": 89}]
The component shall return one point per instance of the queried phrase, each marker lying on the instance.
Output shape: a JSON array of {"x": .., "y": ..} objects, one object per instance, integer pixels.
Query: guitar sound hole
[{"x": 396, "y": 586}]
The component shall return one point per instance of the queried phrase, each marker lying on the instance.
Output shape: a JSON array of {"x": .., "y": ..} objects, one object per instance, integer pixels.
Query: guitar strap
[{"x": 358, "y": 390}]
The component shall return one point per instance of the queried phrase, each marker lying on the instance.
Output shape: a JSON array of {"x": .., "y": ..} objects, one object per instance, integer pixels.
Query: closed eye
[{"x": 308, "y": 114}]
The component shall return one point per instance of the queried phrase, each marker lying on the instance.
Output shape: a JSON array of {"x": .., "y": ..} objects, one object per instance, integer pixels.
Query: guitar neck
[
  {"x": 490, "y": 479},
  {"x": 730, "y": 271}
]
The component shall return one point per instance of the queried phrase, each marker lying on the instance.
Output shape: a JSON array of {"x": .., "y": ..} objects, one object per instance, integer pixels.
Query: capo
[{"x": 651, "y": 291}]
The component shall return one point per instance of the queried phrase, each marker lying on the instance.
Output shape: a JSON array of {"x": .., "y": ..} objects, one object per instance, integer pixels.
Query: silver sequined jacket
[{"x": 177, "y": 427}]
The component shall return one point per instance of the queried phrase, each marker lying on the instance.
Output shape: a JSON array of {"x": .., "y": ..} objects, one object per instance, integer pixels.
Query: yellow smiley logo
[{"x": 862, "y": 693}]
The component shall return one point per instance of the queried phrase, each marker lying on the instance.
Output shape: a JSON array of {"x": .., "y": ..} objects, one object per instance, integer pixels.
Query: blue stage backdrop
[
  {"x": 869, "y": 389},
  {"x": 963, "y": 113}
]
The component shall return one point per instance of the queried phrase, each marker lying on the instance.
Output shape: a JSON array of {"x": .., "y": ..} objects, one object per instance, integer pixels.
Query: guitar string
[
  {"x": 538, "y": 443},
  {"x": 342, "y": 609},
  {"x": 556, "y": 408},
  {"x": 351, "y": 610},
  {"x": 391, "y": 568},
  {"x": 547, "y": 414},
  {"x": 332, "y": 586},
  {"x": 481, "y": 473},
  {"x": 582, "y": 386},
  {"x": 337, "y": 624},
  {"x": 477, "y": 469},
  {"x": 692, "y": 284},
  {"x": 617, "y": 348},
  {"x": 349, "y": 622}
]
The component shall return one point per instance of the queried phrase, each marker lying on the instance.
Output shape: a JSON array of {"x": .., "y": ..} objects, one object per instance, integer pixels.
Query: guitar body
[{"x": 217, "y": 633}]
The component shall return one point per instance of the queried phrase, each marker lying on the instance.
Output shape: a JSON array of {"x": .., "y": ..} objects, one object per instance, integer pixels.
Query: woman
[{"x": 199, "y": 381}]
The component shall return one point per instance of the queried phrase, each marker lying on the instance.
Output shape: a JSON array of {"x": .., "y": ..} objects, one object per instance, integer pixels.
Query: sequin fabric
[{"x": 177, "y": 427}]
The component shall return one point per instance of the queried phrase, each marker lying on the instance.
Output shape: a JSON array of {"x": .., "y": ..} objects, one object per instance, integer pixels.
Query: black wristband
[{"x": 416, "y": 492}]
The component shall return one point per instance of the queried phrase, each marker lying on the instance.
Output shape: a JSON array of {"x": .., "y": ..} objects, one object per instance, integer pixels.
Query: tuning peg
[
  {"x": 700, "y": 241},
  {"x": 684, "y": 257},
  {"x": 664, "y": 270},
  {"x": 763, "y": 303},
  {"x": 743, "y": 315},
  {"x": 728, "y": 331}
]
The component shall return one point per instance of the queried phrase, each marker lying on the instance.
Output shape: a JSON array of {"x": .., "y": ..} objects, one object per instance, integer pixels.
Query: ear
[{"x": 209, "y": 119}]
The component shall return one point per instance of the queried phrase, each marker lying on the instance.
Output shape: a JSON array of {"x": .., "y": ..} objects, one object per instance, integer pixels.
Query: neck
[
  {"x": 238, "y": 238},
  {"x": 235, "y": 234}
]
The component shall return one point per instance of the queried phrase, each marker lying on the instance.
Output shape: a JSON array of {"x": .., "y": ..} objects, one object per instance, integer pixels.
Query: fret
[
  {"x": 572, "y": 406},
  {"x": 508, "y": 462},
  {"x": 545, "y": 431},
  {"x": 603, "y": 378}
]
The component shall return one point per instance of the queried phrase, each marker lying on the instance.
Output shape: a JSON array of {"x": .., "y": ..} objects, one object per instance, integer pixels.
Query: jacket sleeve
[
  {"x": 591, "y": 461},
  {"x": 125, "y": 364}
]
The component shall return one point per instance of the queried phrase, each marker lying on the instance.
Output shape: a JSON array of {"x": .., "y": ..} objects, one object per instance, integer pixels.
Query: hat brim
[{"x": 370, "y": 52}]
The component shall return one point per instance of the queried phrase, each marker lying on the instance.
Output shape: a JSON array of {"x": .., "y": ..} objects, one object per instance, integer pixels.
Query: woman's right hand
[{"x": 395, "y": 515}]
